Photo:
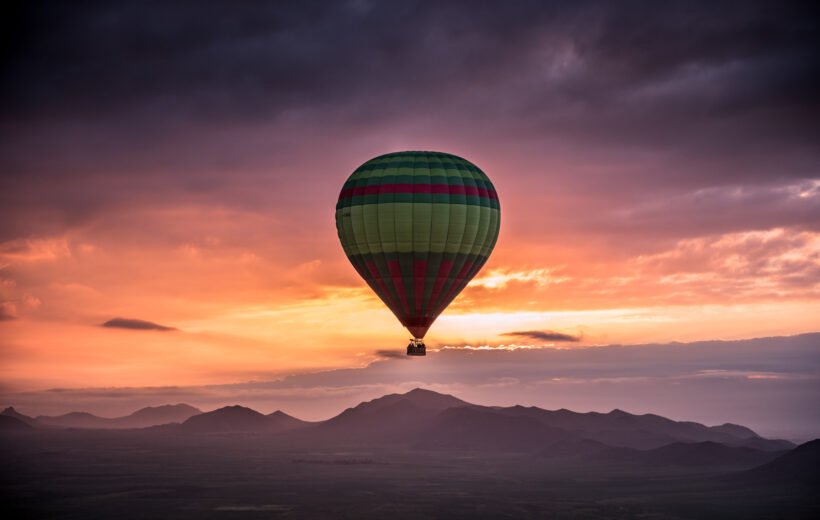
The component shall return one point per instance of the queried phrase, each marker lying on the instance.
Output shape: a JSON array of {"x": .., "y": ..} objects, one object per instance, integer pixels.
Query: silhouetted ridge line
[
  {"x": 240, "y": 419},
  {"x": 426, "y": 419}
]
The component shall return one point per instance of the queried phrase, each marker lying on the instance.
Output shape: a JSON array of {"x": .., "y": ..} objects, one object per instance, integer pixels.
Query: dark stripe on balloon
[
  {"x": 435, "y": 198},
  {"x": 374, "y": 165}
]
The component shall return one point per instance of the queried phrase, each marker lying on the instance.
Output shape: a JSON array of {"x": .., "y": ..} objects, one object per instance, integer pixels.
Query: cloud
[
  {"x": 710, "y": 94},
  {"x": 543, "y": 335},
  {"x": 724, "y": 209},
  {"x": 128, "y": 323},
  {"x": 391, "y": 354},
  {"x": 8, "y": 311},
  {"x": 501, "y": 278},
  {"x": 33, "y": 250},
  {"x": 767, "y": 383}
]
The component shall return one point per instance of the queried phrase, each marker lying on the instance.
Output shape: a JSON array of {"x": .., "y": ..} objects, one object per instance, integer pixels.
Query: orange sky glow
[
  {"x": 252, "y": 302},
  {"x": 658, "y": 183}
]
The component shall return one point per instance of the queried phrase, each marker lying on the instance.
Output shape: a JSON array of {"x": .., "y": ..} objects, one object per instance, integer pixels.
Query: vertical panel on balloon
[{"x": 422, "y": 231}]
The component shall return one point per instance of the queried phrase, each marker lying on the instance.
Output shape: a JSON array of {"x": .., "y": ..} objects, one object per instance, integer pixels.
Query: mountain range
[
  {"x": 423, "y": 419},
  {"x": 240, "y": 419},
  {"x": 426, "y": 423},
  {"x": 142, "y": 418}
]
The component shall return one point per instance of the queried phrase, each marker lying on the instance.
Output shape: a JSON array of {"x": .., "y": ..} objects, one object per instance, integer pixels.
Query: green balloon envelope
[{"x": 417, "y": 226}]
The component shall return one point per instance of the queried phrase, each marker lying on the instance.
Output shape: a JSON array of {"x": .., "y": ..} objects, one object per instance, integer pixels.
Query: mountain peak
[
  {"x": 421, "y": 391},
  {"x": 236, "y": 418},
  {"x": 429, "y": 399},
  {"x": 617, "y": 412},
  {"x": 162, "y": 414},
  {"x": 178, "y": 406},
  {"x": 236, "y": 408},
  {"x": 11, "y": 412},
  {"x": 736, "y": 430},
  {"x": 225, "y": 419}
]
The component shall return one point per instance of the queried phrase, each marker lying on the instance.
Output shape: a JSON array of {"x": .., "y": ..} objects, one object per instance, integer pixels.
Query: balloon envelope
[{"x": 417, "y": 226}]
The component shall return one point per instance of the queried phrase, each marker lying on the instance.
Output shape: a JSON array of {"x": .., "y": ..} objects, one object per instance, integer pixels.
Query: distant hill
[
  {"x": 760, "y": 443},
  {"x": 75, "y": 420},
  {"x": 153, "y": 415},
  {"x": 282, "y": 421},
  {"x": 419, "y": 398},
  {"x": 735, "y": 430},
  {"x": 429, "y": 420},
  {"x": 9, "y": 423},
  {"x": 143, "y": 418},
  {"x": 705, "y": 454},
  {"x": 644, "y": 432},
  {"x": 240, "y": 419},
  {"x": 11, "y": 412},
  {"x": 675, "y": 455},
  {"x": 488, "y": 429},
  {"x": 391, "y": 417},
  {"x": 798, "y": 466}
]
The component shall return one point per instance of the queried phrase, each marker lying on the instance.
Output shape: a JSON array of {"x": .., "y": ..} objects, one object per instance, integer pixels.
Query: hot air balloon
[{"x": 417, "y": 226}]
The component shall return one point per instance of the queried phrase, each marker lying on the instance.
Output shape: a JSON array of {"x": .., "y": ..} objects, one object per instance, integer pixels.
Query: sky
[{"x": 169, "y": 173}]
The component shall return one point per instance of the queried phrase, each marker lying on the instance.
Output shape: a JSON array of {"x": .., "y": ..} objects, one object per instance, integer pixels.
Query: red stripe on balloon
[
  {"x": 437, "y": 189},
  {"x": 374, "y": 273},
  {"x": 395, "y": 274},
  {"x": 419, "y": 272},
  {"x": 462, "y": 273},
  {"x": 443, "y": 272}
]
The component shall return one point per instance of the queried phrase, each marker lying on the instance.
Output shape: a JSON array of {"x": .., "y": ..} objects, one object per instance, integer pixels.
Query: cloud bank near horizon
[
  {"x": 769, "y": 384},
  {"x": 544, "y": 335}
]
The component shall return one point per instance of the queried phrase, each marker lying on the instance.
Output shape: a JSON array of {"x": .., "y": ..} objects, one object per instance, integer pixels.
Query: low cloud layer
[
  {"x": 390, "y": 354},
  {"x": 769, "y": 384},
  {"x": 544, "y": 335},
  {"x": 128, "y": 323}
]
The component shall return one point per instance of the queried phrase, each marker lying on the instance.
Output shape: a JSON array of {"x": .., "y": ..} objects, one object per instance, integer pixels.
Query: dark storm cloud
[
  {"x": 543, "y": 335},
  {"x": 152, "y": 102},
  {"x": 256, "y": 60},
  {"x": 127, "y": 323}
]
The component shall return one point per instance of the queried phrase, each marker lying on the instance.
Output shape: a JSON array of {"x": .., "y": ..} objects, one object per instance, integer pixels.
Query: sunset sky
[{"x": 180, "y": 165}]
